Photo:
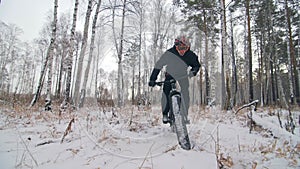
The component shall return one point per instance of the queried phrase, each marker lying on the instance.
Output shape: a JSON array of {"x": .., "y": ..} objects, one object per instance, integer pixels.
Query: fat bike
[{"x": 177, "y": 118}]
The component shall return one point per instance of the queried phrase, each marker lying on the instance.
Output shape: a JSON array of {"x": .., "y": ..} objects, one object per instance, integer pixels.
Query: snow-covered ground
[{"x": 133, "y": 139}]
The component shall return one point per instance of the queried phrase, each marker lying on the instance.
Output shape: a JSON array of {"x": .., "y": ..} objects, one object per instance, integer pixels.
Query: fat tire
[{"x": 179, "y": 122}]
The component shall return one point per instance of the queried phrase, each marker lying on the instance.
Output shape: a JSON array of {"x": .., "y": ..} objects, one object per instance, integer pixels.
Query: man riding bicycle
[{"x": 177, "y": 61}]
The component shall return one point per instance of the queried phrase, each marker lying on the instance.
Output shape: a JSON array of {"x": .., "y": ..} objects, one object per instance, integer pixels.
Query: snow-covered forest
[{"x": 78, "y": 96}]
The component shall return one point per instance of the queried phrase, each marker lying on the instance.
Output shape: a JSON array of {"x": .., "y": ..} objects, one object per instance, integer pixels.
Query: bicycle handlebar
[
  {"x": 166, "y": 81},
  {"x": 171, "y": 80}
]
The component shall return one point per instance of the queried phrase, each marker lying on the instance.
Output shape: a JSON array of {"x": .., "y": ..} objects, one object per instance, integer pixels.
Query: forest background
[{"x": 249, "y": 50}]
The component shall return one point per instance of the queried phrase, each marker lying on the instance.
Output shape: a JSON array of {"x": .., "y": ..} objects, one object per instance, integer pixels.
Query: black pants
[{"x": 185, "y": 98}]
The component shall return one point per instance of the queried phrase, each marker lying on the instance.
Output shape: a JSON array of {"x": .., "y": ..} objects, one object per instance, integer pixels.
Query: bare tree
[
  {"x": 224, "y": 95},
  {"x": 120, "y": 82},
  {"x": 119, "y": 49},
  {"x": 234, "y": 81},
  {"x": 87, "y": 70},
  {"x": 294, "y": 96},
  {"x": 82, "y": 52},
  {"x": 249, "y": 51},
  {"x": 62, "y": 49},
  {"x": 138, "y": 20},
  {"x": 69, "y": 59},
  {"x": 50, "y": 57},
  {"x": 98, "y": 60},
  {"x": 8, "y": 52},
  {"x": 161, "y": 25},
  {"x": 47, "y": 63}
]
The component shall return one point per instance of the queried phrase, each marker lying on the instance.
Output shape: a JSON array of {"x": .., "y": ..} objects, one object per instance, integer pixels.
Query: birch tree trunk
[
  {"x": 281, "y": 95},
  {"x": 40, "y": 83},
  {"x": 97, "y": 61},
  {"x": 157, "y": 28},
  {"x": 293, "y": 63},
  {"x": 272, "y": 59},
  {"x": 47, "y": 63},
  {"x": 290, "y": 75},
  {"x": 82, "y": 52},
  {"x": 69, "y": 59},
  {"x": 266, "y": 65},
  {"x": 234, "y": 70},
  {"x": 87, "y": 70},
  {"x": 132, "y": 81},
  {"x": 60, "y": 72},
  {"x": 50, "y": 63},
  {"x": 249, "y": 51},
  {"x": 224, "y": 95},
  {"x": 243, "y": 87},
  {"x": 119, "y": 48},
  {"x": 207, "y": 79},
  {"x": 141, "y": 12},
  {"x": 120, "y": 82}
]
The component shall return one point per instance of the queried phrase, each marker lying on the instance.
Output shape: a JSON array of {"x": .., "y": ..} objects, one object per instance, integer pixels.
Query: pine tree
[{"x": 202, "y": 15}]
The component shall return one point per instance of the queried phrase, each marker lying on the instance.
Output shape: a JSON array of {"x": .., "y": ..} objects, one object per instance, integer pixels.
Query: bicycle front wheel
[{"x": 180, "y": 123}]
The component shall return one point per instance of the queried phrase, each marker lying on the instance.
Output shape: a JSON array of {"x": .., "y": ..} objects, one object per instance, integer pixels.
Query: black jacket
[{"x": 176, "y": 65}]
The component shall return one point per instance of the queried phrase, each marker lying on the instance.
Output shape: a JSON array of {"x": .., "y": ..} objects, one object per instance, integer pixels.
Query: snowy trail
[{"x": 101, "y": 141}]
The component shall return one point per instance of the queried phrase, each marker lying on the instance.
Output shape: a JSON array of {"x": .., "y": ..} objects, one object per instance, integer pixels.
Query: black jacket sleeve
[
  {"x": 195, "y": 65},
  {"x": 154, "y": 74}
]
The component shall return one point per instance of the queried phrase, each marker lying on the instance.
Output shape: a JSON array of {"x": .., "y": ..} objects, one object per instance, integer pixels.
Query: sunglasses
[
  {"x": 184, "y": 47},
  {"x": 177, "y": 43}
]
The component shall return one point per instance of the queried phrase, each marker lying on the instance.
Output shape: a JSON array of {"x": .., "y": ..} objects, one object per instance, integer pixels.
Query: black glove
[
  {"x": 151, "y": 83},
  {"x": 192, "y": 74}
]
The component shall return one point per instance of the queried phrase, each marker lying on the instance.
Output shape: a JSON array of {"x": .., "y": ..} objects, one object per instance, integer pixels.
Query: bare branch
[{"x": 247, "y": 105}]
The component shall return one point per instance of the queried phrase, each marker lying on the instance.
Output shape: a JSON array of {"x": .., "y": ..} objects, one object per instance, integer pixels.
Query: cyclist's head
[{"x": 182, "y": 44}]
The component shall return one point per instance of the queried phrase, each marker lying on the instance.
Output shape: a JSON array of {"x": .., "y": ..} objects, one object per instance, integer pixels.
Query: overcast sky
[{"x": 30, "y": 15}]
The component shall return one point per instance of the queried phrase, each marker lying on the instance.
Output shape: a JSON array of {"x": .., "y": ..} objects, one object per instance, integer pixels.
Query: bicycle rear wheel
[{"x": 179, "y": 122}]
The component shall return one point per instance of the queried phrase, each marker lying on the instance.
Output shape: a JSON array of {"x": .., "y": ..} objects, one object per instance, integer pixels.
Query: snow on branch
[{"x": 247, "y": 105}]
